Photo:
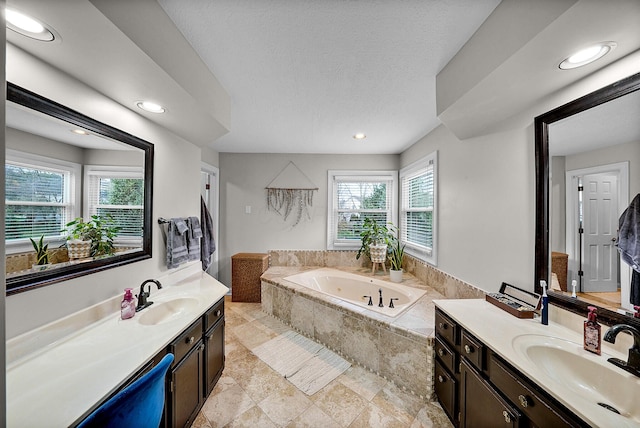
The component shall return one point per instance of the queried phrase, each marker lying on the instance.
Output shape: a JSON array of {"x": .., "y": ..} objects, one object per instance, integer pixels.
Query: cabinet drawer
[
  {"x": 447, "y": 329},
  {"x": 446, "y": 356},
  {"x": 474, "y": 350},
  {"x": 214, "y": 314},
  {"x": 540, "y": 410},
  {"x": 183, "y": 344},
  {"x": 446, "y": 389}
]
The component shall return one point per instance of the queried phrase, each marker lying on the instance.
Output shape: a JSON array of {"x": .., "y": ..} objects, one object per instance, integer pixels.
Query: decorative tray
[{"x": 518, "y": 302}]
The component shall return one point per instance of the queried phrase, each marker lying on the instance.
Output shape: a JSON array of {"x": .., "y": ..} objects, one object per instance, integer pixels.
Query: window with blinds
[
  {"x": 355, "y": 195},
  {"x": 418, "y": 208},
  {"x": 40, "y": 198},
  {"x": 117, "y": 192}
]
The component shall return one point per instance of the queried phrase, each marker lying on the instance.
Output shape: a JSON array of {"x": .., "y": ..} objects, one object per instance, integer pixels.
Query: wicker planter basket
[
  {"x": 78, "y": 249},
  {"x": 378, "y": 253}
]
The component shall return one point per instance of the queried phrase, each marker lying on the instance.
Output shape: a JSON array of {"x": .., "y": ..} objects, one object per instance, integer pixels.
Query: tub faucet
[
  {"x": 391, "y": 302},
  {"x": 632, "y": 365},
  {"x": 370, "y": 301},
  {"x": 144, "y": 295},
  {"x": 380, "y": 304}
]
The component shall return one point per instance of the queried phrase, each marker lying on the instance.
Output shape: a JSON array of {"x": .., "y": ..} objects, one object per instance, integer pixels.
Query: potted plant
[
  {"x": 91, "y": 238},
  {"x": 396, "y": 259},
  {"x": 42, "y": 254},
  {"x": 375, "y": 240}
]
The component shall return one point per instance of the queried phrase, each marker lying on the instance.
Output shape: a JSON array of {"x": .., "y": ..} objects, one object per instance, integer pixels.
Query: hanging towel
[
  {"x": 635, "y": 288},
  {"x": 208, "y": 244},
  {"x": 193, "y": 239},
  {"x": 629, "y": 234},
  {"x": 177, "y": 251}
]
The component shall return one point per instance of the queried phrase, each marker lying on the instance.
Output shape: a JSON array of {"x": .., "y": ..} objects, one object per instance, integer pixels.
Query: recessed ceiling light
[
  {"x": 587, "y": 55},
  {"x": 359, "y": 136},
  {"x": 28, "y": 26},
  {"x": 80, "y": 131},
  {"x": 150, "y": 107}
]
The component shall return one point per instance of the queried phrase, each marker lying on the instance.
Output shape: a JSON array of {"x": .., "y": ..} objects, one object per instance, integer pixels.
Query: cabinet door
[
  {"x": 214, "y": 355},
  {"x": 481, "y": 406},
  {"x": 186, "y": 387},
  {"x": 447, "y": 390}
]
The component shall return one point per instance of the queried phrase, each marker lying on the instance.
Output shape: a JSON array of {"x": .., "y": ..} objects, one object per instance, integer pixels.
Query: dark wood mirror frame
[
  {"x": 541, "y": 126},
  {"x": 38, "y": 103}
]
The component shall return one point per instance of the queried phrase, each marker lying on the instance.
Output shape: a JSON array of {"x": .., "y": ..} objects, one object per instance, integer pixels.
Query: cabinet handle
[
  {"x": 441, "y": 352},
  {"x": 443, "y": 326},
  {"x": 441, "y": 379},
  {"x": 523, "y": 400},
  {"x": 507, "y": 416},
  {"x": 190, "y": 340},
  {"x": 468, "y": 349},
  {"x": 218, "y": 312}
]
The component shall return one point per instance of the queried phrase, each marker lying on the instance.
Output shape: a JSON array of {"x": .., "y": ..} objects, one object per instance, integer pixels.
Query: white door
[
  {"x": 209, "y": 192},
  {"x": 600, "y": 224}
]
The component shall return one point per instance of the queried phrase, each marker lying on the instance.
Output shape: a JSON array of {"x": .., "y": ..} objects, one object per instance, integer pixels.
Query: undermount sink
[
  {"x": 160, "y": 313},
  {"x": 589, "y": 376}
]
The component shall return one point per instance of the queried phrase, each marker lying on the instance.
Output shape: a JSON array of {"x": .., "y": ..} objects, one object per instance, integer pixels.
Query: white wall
[
  {"x": 243, "y": 181},
  {"x": 176, "y": 194},
  {"x": 486, "y": 205}
]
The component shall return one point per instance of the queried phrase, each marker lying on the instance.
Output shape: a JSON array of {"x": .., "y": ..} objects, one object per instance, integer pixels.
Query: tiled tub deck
[{"x": 399, "y": 349}]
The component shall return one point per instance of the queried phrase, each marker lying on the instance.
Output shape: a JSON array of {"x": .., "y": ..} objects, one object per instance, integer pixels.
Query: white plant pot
[
  {"x": 39, "y": 268},
  {"x": 78, "y": 249},
  {"x": 378, "y": 253},
  {"x": 395, "y": 275}
]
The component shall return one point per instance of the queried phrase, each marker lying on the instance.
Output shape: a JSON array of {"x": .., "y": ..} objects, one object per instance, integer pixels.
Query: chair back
[{"x": 139, "y": 405}]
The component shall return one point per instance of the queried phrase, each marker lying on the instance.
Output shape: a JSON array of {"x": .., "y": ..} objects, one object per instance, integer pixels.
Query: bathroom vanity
[
  {"x": 61, "y": 372},
  {"x": 493, "y": 369}
]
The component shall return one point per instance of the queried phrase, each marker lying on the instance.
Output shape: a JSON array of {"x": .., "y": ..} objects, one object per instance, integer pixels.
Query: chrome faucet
[
  {"x": 632, "y": 365},
  {"x": 144, "y": 295}
]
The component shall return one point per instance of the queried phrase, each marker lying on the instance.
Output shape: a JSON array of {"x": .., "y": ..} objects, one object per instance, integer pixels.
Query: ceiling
[{"x": 303, "y": 76}]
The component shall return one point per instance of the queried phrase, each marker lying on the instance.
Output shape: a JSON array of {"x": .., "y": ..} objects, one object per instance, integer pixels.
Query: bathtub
[{"x": 359, "y": 290}]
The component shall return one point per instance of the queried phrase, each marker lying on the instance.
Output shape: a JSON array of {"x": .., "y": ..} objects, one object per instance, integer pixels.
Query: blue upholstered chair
[{"x": 139, "y": 405}]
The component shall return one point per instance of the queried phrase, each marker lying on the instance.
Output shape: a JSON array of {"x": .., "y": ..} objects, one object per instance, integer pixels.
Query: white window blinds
[
  {"x": 418, "y": 208},
  {"x": 355, "y": 196}
]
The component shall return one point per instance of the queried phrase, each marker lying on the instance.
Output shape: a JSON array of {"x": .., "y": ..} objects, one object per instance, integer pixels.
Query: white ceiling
[{"x": 305, "y": 76}]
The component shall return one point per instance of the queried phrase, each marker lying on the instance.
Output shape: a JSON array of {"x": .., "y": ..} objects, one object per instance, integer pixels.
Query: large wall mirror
[
  {"x": 60, "y": 166},
  {"x": 587, "y": 174}
]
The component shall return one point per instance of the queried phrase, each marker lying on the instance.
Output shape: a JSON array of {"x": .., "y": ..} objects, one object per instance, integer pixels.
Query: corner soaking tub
[{"x": 359, "y": 290}]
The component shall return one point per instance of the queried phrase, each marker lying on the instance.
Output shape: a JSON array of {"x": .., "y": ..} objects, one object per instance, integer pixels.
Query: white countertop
[
  {"x": 55, "y": 385},
  {"x": 497, "y": 329}
]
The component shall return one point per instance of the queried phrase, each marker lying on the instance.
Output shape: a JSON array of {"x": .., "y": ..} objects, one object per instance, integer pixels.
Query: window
[
  {"x": 418, "y": 185},
  {"x": 354, "y": 195},
  {"x": 40, "y": 198},
  {"x": 117, "y": 192}
]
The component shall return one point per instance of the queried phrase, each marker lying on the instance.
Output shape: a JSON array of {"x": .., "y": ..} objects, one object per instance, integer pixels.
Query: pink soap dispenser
[
  {"x": 128, "y": 305},
  {"x": 592, "y": 336}
]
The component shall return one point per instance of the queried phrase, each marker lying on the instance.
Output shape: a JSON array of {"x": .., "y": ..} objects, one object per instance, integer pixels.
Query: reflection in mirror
[
  {"x": 588, "y": 170},
  {"x": 62, "y": 167}
]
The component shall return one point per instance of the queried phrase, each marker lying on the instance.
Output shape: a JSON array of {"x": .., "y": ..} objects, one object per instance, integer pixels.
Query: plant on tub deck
[
  {"x": 42, "y": 254},
  {"x": 95, "y": 236},
  {"x": 396, "y": 257},
  {"x": 377, "y": 237}
]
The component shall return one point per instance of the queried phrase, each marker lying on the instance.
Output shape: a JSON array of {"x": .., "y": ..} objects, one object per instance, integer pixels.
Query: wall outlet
[{"x": 247, "y": 209}]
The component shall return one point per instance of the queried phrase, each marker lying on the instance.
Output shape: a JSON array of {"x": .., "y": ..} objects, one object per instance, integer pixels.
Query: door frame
[
  {"x": 621, "y": 169},
  {"x": 214, "y": 210}
]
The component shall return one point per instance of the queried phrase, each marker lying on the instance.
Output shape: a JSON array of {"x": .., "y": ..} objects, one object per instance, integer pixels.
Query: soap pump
[
  {"x": 573, "y": 288},
  {"x": 545, "y": 303},
  {"x": 128, "y": 305},
  {"x": 592, "y": 334}
]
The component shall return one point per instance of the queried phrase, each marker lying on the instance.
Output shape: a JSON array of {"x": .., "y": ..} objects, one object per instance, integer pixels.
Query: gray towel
[
  {"x": 177, "y": 251},
  {"x": 629, "y": 234},
  {"x": 208, "y": 244},
  {"x": 193, "y": 239}
]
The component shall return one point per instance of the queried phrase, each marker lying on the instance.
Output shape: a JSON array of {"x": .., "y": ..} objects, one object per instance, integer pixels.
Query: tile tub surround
[
  {"x": 399, "y": 349},
  {"x": 58, "y": 372}
]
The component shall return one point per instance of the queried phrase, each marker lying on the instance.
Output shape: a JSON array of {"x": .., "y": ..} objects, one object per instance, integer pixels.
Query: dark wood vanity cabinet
[
  {"x": 477, "y": 388},
  {"x": 213, "y": 346}
]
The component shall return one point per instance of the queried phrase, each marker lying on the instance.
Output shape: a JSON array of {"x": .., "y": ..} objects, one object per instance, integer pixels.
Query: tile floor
[{"x": 251, "y": 394}]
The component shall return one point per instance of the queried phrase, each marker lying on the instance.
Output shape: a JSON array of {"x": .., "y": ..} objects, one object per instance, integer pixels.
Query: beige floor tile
[
  {"x": 225, "y": 406},
  {"x": 365, "y": 383},
  {"x": 401, "y": 404},
  {"x": 285, "y": 405},
  {"x": 261, "y": 382},
  {"x": 432, "y": 416},
  {"x": 313, "y": 417},
  {"x": 374, "y": 417},
  {"x": 339, "y": 402},
  {"x": 252, "y": 418}
]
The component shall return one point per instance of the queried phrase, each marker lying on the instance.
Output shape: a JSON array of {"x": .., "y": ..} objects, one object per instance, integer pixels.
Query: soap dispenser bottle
[
  {"x": 592, "y": 334},
  {"x": 128, "y": 305}
]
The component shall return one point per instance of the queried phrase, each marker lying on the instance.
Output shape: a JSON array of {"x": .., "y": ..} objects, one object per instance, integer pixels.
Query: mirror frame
[
  {"x": 44, "y": 105},
  {"x": 541, "y": 127}
]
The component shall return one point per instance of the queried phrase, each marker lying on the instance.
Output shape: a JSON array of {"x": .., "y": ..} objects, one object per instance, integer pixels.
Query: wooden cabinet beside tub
[{"x": 478, "y": 388}]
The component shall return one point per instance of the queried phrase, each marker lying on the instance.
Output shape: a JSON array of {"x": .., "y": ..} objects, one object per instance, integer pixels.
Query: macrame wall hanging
[{"x": 291, "y": 192}]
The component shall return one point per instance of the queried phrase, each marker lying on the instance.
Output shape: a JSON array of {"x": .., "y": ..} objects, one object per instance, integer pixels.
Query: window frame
[
  {"x": 332, "y": 210},
  {"x": 426, "y": 254},
  {"x": 111, "y": 171},
  {"x": 74, "y": 191}
]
